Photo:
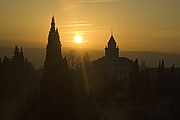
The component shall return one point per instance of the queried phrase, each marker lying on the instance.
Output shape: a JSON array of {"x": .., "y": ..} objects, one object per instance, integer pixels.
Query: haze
[{"x": 143, "y": 25}]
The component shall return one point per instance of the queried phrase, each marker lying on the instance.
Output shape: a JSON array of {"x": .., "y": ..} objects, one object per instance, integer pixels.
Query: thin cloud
[
  {"x": 83, "y": 31},
  {"x": 75, "y": 22},
  {"x": 78, "y": 3},
  {"x": 156, "y": 34},
  {"x": 71, "y": 7},
  {"x": 96, "y": 1},
  {"x": 77, "y": 25}
]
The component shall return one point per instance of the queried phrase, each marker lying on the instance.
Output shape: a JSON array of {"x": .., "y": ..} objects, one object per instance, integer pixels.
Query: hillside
[{"x": 37, "y": 56}]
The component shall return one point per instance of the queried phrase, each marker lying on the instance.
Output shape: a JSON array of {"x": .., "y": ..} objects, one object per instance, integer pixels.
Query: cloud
[
  {"x": 71, "y": 5},
  {"x": 77, "y": 25},
  {"x": 85, "y": 31},
  {"x": 96, "y": 1},
  {"x": 156, "y": 34}
]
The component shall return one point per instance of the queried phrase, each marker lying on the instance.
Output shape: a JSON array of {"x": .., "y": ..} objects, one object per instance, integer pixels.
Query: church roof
[
  {"x": 111, "y": 40},
  {"x": 121, "y": 60}
]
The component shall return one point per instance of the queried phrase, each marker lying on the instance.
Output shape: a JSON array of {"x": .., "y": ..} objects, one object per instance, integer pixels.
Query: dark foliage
[
  {"x": 18, "y": 88},
  {"x": 159, "y": 104},
  {"x": 56, "y": 85}
]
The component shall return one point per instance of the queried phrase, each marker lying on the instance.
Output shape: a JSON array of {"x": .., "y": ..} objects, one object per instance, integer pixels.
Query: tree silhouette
[
  {"x": 56, "y": 86},
  {"x": 134, "y": 80},
  {"x": 18, "y": 85},
  {"x": 74, "y": 60},
  {"x": 140, "y": 85}
]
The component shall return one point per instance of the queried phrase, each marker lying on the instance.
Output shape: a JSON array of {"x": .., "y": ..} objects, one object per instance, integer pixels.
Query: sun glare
[{"x": 78, "y": 39}]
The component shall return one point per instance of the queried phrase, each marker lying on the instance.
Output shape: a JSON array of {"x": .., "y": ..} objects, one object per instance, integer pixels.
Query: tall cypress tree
[{"x": 56, "y": 86}]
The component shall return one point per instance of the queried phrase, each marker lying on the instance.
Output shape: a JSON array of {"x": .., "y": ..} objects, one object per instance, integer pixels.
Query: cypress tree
[{"x": 56, "y": 86}]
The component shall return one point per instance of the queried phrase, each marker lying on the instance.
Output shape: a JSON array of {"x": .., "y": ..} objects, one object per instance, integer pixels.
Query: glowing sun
[{"x": 78, "y": 39}]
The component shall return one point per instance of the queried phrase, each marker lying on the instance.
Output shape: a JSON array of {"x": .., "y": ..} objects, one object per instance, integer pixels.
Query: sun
[{"x": 78, "y": 39}]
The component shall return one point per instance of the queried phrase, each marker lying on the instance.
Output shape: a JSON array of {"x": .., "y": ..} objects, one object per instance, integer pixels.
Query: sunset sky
[{"x": 138, "y": 25}]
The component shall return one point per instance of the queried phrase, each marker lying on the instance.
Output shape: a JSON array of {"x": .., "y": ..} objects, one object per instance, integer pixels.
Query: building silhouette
[
  {"x": 56, "y": 86},
  {"x": 111, "y": 73},
  {"x": 113, "y": 65}
]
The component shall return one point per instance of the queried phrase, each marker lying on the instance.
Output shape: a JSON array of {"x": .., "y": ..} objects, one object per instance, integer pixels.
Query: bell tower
[{"x": 111, "y": 50}]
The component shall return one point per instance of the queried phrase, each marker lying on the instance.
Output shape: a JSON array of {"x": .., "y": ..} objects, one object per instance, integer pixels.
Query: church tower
[{"x": 112, "y": 51}]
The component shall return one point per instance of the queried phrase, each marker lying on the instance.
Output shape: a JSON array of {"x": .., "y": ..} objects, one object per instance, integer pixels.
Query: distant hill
[
  {"x": 152, "y": 58},
  {"x": 37, "y": 56}
]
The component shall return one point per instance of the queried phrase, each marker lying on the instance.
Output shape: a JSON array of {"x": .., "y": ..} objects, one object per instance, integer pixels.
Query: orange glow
[{"x": 136, "y": 27}]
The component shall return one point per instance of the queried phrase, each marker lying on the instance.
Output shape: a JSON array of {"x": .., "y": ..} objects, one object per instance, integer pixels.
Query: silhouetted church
[
  {"x": 56, "y": 86},
  {"x": 113, "y": 66}
]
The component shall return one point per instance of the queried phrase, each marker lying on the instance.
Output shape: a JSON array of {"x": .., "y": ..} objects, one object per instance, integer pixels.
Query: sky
[{"x": 137, "y": 25}]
